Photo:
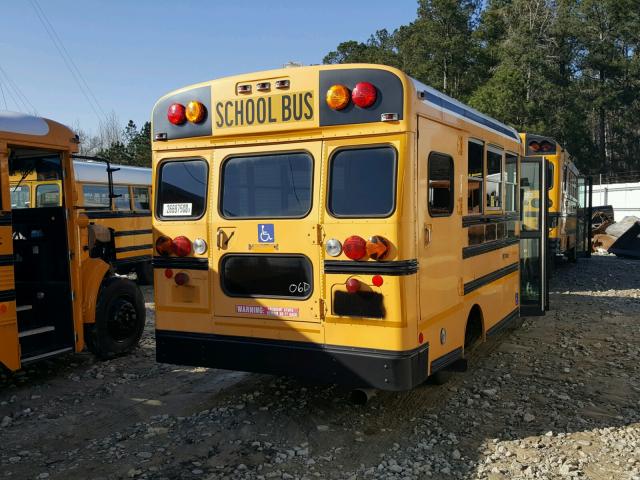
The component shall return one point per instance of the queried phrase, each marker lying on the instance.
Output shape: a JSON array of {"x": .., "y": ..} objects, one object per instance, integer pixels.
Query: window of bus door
[
  {"x": 440, "y": 193},
  {"x": 141, "y": 198},
  {"x": 494, "y": 178},
  {"x": 475, "y": 174},
  {"x": 182, "y": 189},
  {"x": 48, "y": 195},
  {"x": 20, "y": 196},
  {"x": 511, "y": 191},
  {"x": 277, "y": 185},
  {"x": 362, "y": 182}
]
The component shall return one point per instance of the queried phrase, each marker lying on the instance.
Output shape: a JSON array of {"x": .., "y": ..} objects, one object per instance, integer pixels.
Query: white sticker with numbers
[{"x": 176, "y": 209}]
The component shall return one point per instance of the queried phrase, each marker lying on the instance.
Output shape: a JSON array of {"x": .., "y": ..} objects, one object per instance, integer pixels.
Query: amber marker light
[
  {"x": 195, "y": 111},
  {"x": 338, "y": 97}
]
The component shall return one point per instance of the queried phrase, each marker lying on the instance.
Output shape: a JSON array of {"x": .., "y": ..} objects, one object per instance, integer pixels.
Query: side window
[
  {"x": 440, "y": 194},
  {"x": 511, "y": 183},
  {"x": 182, "y": 189},
  {"x": 20, "y": 196},
  {"x": 475, "y": 174},
  {"x": 96, "y": 195},
  {"x": 48, "y": 195},
  {"x": 141, "y": 198},
  {"x": 494, "y": 178},
  {"x": 122, "y": 201}
]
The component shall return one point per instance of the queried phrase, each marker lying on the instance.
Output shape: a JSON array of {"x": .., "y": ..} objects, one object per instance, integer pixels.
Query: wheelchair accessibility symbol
[{"x": 266, "y": 233}]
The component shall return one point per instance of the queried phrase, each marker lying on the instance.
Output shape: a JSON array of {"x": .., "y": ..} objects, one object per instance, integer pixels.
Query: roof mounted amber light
[
  {"x": 546, "y": 146},
  {"x": 338, "y": 97},
  {"x": 195, "y": 111}
]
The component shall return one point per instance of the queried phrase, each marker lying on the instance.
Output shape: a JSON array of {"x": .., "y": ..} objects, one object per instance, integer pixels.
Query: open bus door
[
  {"x": 9, "y": 343},
  {"x": 585, "y": 211},
  {"x": 534, "y": 235}
]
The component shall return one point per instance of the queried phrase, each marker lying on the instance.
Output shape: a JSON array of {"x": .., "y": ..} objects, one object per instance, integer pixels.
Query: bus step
[
  {"x": 36, "y": 331},
  {"x": 46, "y": 355},
  {"x": 23, "y": 308}
]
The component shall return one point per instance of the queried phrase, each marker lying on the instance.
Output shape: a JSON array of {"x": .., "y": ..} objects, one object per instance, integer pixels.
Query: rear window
[
  {"x": 267, "y": 186},
  {"x": 182, "y": 189},
  {"x": 362, "y": 182},
  {"x": 48, "y": 195}
]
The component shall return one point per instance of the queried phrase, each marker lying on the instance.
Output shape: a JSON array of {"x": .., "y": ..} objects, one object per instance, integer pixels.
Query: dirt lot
[{"x": 556, "y": 397}]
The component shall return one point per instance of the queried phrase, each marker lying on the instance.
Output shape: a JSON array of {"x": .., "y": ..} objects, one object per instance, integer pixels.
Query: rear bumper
[{"x": 354, "y": 367}]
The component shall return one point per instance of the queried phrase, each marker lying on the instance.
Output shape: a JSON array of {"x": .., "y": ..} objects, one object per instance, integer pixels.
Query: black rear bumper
[{"x": 354, "y": 367}]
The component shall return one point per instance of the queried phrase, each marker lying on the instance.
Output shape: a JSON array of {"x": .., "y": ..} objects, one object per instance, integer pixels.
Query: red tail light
[
  {"x": 353, "y": 285},
  {"x": 181, "y": 278},
  {"x": 177, "y": 114},
  {"x": 364, "y": 94},
  {"x": 534, "y": 146},
  {"x": 377, "y": 280},
  {"x": 355, "y": 247},
  {"x": 164, "y": 245},
  {"x": 181, "y": 246}
]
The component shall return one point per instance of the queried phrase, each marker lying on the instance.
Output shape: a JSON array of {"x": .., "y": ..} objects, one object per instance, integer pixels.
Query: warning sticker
[{"x": 280, "y": 312}]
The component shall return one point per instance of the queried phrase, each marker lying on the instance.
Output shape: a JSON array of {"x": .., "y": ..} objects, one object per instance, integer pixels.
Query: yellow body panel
[{"x": 430, "y": 306}]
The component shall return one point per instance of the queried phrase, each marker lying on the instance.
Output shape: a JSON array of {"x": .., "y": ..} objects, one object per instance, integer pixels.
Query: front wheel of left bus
[{"x": 120, "y": 319}]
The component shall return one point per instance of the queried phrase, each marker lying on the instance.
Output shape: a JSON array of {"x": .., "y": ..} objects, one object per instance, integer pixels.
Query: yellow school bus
[
  {"x": 58, "y": 291},
  {"x": 562, "y": 194},
  {"x": 130, "y": 217},
  {"x": 342, "y": 223}
]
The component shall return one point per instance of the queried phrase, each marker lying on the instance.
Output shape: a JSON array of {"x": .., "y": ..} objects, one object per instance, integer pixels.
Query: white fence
[{"x": 624, "y": 197}]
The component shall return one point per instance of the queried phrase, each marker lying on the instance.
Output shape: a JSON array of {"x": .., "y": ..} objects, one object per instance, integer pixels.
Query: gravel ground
[{"x": 553, "y": 397}]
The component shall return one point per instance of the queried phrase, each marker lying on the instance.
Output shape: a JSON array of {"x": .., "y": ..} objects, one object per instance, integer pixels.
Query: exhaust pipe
[{"x": 360, "y": 396}]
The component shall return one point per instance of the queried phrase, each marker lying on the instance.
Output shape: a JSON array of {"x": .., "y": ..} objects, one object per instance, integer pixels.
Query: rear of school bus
[
  {"x": 562, "y": 206},
  {"x": 284, "y": 226}
]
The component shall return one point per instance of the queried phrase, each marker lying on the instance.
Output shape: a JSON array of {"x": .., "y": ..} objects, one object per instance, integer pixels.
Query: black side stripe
[
  {"x": 447, "y": 359},
  {"x": 112, "y": 214},
  {"x": 491, "y": 277},
  {"x": 121, "y": 262},
  {"x": 400, "y": 267},
  {"x": 134, "y": 248},
  {"x": 6, "y": 260},
  {"x": 7, "y": 295},
  {"x": 504, "y": 323},
  {"x": 184, "y": 263},
  {"x": 124, "y": 233},
  {"x": 473, "y": 250},
  {"x": 483, "y": 219}
]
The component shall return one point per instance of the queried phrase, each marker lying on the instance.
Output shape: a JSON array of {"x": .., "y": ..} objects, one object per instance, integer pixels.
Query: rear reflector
[{"x": 353, "y": 285}]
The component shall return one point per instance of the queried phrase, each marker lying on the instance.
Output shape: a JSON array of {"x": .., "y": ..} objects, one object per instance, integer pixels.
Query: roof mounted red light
[
  {"x": 176, "y": 114},
  {"x": 355, "y": 247},
  {"x": 534, "y": 146},
  {"x": 546, "y": 146},
  {"x": 364, "y": 94}
]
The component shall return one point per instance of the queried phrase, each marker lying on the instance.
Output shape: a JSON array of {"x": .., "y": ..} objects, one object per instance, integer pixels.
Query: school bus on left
[{"x": 58, "y": 291}]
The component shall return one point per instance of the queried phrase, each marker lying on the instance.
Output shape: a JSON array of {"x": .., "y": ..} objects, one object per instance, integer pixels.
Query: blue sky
[{"x": 132, "y": 52}]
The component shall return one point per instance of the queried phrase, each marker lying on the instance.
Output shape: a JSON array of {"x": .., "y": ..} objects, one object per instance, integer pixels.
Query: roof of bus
[
  {"x": 427, "y": 95},
  {"x": 96, "y": 172},
  {"x": 21, "y": 128}
]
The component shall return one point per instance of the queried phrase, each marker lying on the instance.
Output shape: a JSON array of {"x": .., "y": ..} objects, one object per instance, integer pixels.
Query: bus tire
[
  {"x": 144, "y": 273},
  {"x": 120, "y": 319}
]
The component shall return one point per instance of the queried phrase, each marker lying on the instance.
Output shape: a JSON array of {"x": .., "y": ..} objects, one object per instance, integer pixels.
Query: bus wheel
[
  {"x": 120, "y": 319},
  {"x": 144, "y": 272}
]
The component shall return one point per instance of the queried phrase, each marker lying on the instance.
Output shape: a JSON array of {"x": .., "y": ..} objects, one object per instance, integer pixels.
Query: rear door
[
  {"x": 534, "y": 234},
  {"x": 265, "y": 234},
  {"x": 9, "y": 342}
]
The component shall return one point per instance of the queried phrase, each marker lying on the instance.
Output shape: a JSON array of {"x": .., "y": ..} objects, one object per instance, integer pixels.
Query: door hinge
[
  {"x": 321, "y": 308},
  {"x": 70, "y": 255},
  {"x": 319, "y": 235},
  {"x": 460, "y": 144},
  {"x": 461, "y": 287},
  {"x": 73, "y": 296}
]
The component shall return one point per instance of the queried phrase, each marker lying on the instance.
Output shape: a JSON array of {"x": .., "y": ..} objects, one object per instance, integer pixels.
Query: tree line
[{"x": 569, "y": 69}]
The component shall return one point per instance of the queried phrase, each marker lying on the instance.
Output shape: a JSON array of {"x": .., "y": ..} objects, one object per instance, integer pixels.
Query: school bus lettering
[{"x": 246, "y": 112}]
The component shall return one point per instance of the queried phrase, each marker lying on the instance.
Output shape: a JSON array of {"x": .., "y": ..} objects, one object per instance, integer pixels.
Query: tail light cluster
[
  {"x": 363, "y": 95},
  {"x": 543, "y": 146},
  {"x": 180, "y": 246},
  {"x": 357, "y": 248},
  {"x": 194, "y": 112}
]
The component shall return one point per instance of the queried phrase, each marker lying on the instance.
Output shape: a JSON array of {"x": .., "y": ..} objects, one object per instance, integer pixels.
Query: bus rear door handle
[
  {"x": 222, "y": 240},
  {"x": 427, "y": 234}
]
